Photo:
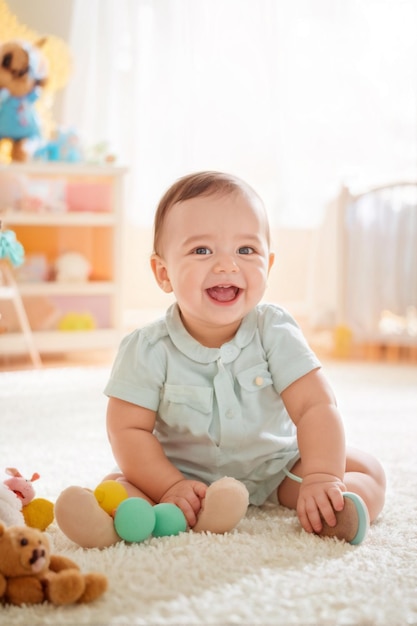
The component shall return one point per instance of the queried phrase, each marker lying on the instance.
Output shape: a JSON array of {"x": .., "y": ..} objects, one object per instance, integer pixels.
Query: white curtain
[
  {"x": 381, "y": 262},
  {"x": 295, "y": 96}
]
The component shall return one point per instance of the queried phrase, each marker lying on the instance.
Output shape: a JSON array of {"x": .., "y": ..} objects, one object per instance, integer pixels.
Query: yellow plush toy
[{"x": 29, "y": 574}]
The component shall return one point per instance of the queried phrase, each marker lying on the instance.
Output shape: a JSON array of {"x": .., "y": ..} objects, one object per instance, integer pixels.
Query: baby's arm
[
  {"x": 312, "y": 407},
  {"x": 142, "y": 460}
]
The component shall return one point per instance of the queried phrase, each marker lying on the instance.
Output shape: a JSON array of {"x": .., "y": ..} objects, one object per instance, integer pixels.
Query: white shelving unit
[{"x": 55, "y": 208}]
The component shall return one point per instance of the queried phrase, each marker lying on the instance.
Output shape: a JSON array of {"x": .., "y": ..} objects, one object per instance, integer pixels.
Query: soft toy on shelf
[
  {"x": 30, "y": 574},
  {"x": 77, "y": 321},
  {"x": 37, "y": 512},
  {"x": 23, "y": 74},
  {"x": 64, "y": 146},
  {"x": 72, "y": 267}
]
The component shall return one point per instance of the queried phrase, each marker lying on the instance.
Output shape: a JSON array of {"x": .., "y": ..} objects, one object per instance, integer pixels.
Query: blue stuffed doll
[{"x": 23, "y": 74}]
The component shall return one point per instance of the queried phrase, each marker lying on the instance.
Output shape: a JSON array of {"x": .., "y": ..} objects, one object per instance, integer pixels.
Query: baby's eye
[
  {"x": 202, "y": 250},
  {"x": 246, "y": 250}
]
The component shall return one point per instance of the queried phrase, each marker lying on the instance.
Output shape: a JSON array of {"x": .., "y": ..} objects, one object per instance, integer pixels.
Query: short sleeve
[
  {"x": 287, "y": 351},
  {"x": 139, "y": 371}
]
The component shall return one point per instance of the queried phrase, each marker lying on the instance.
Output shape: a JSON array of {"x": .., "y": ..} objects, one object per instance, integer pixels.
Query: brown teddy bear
[{"x": 29, "y": 574}]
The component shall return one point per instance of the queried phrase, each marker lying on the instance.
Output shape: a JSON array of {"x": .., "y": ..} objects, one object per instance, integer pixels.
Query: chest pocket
[
  {"x": 255, "y": 378},
  {"x": 187, "y": 408}
]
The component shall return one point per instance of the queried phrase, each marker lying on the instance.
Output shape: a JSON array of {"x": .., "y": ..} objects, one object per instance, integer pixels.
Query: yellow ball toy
[
  {"x": 39, "y": 513},
  {"x": 109, "y": 494}
]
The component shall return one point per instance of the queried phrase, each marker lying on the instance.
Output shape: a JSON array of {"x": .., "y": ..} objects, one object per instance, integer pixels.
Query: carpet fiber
[{"x": 267, "y": 571}]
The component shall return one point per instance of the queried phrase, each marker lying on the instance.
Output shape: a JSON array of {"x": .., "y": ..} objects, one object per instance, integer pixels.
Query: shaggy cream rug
[{"x": 267, "y": 571}]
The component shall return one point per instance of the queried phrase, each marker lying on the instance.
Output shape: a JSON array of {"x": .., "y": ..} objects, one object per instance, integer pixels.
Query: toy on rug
[
  {"x": 30, "y": 574},
  {"x": 23, "y": 74},
  {"x": 37, "y": 512},
  {"x": 102, "y": 518},
  {"x": 10, "y": 507}
]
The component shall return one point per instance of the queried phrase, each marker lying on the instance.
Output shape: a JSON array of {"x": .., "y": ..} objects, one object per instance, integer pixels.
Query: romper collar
[{"x": 228, "y": 352}]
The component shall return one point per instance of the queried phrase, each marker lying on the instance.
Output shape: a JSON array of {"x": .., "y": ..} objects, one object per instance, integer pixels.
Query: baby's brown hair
[{"x": 207, "y": 183}]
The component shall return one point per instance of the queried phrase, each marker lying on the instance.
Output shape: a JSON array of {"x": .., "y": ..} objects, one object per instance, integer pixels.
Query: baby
[{"x": 222, "y": 401}]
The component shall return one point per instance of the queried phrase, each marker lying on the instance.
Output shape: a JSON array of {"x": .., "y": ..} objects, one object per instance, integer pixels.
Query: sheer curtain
[
  {"x": 295, "y": 97},
  {"x": 381, "y": 263}
]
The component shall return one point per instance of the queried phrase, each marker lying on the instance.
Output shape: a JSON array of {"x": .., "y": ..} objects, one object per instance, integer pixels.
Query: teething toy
[
  {"x": 80, "y": 514},
  {"x": 169, "y": 520},
  {"x": 134, "y": 518},
  {"x": 352, "y": 522},
  {"x": 109, "y": 494}
]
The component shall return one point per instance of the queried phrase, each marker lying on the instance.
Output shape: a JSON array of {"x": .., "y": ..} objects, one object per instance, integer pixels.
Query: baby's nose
[{"x": 226, "y": 263}]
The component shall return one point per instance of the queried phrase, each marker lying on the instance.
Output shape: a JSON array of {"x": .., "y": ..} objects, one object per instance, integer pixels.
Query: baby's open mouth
[{"x": 223, "y": 293}]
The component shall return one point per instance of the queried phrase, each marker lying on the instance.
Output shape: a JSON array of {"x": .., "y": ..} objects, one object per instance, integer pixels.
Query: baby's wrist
[
  {"x": 180, "y": 480},
  {"x": 320, "y": 477}
]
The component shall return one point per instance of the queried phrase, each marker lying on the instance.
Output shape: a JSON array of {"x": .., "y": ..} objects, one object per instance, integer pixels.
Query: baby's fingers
[
  {"x": 186, "y": 508},
  {"x": 309, "y": 515}
]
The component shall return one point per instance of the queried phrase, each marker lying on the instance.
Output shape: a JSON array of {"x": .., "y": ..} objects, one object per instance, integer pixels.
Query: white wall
[{"x": 288, "y": 284}]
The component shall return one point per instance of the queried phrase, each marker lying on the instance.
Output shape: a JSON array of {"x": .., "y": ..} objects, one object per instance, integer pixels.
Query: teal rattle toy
[
  {"x": 134, "y": 518},
  {"x": 355, "y": 535}
]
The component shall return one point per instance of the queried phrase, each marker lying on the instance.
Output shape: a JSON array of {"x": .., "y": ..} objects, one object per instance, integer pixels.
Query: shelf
[
  {"x": 385, "y": 339},
  {"x": 63, "y": 169},
  {"x": 52, "y": 342},
  {"x": 55, "y": 288},
  {"x": 55, "y": 208},
  {"x": 69, "y": 218}
]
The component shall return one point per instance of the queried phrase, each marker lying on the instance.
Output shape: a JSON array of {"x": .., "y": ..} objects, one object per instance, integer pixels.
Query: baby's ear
[{"x": 160, "y": 272}]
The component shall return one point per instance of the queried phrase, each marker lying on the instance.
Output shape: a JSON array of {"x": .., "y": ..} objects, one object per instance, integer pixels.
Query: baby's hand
[
  {"x": 187, "y": 495},
  {"x": 320, "y": 496}
]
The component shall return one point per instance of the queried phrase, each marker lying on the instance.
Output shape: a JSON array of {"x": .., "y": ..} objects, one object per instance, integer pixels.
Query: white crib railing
[{"x": 365, "y": 272}]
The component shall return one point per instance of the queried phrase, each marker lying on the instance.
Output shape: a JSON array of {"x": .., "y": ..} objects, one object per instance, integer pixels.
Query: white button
[
  {"x": 259, "y": 381},
  {"x": 230, "y": 413}
]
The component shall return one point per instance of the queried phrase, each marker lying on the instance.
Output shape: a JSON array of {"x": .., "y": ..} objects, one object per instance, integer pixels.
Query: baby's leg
[
  {"x": 224, "y": 506},
  {"x": 132, "y": 491},
  {"x": 365, "y": 476}
]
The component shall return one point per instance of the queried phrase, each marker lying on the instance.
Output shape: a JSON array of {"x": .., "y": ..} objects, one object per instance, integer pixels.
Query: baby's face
[{"x": 215, "y": 258}]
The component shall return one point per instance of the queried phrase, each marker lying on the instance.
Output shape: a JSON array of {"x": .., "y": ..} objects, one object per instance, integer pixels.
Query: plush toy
[
  {"x": 23, "y": 74},
  {"x": 37, "y": 512},
  {"x": 77, "y": 321},
  {"x": 29, "y": 574},
  {"x": 64, "y": 146},
  {"x": 102, "y": 518},
  {"x": 10, "y": 507},
  {"x": 72, "y": 267}
]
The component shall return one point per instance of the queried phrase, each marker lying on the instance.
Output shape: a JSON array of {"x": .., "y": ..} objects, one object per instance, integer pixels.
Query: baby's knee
[{"x": 366, "y": 463}]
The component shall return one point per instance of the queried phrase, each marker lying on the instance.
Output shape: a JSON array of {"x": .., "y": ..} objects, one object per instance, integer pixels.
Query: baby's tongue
[{"x": 222, "y": 294}]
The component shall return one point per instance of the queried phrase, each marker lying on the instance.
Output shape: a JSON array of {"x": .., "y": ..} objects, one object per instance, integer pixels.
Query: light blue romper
[{"x": 218, "y": 410}]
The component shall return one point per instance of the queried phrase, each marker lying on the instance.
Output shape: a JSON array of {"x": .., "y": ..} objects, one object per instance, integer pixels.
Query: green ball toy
[
  {"x": 134, "y": 520},
  {"x": 169, "y": 520}
]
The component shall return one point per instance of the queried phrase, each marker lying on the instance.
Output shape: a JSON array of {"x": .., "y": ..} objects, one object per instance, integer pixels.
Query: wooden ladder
[{"x": 9, "y": 290}]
